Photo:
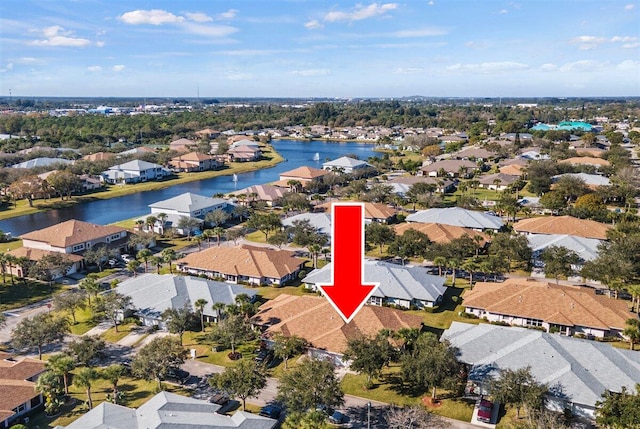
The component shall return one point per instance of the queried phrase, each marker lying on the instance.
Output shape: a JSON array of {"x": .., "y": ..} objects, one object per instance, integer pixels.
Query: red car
[{"x": 484, "y": 411}]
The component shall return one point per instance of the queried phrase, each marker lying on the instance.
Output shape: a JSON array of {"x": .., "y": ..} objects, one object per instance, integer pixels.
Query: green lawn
[
  {"x": 84, "y": 319},
  {"x": 25, "y": 292},
  {"x": 111, "y": 336}
]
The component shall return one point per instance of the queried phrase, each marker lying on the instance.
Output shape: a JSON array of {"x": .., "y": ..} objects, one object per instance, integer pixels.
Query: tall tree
[
  {"x": 90, "y": 285},
  {"x": 559, "y": 261},
  {"x": 286, "y": 346},
  {"x": 50, "y": 267},
  {"x": 199, "y": 305},
  {"x": 411, "y": 244},
  {"x": 632, "y": 332},
  {"x": 309, "y": 385},
  {"x": 431, "y": 364},
  {"x": 153, "y": 361},
  {"x": 70, "y": 302},
  {"x": 144, "y": 255},
  {"x": 379, "y": 234},
  {"x": 113, "y": 373},
  {"x": 368, "y": 355},
  {"x": 243, "y": 380},
  {"x": 231, "y": 331},
  {"x": 38, "y": 331},
  {"x": 264, "y": 222},
  {"x": 48, "y": 384},
  {"x": 65, "y": 183},
  {"x": 216, "y": 217},
  {"x": 619, "y": 410},
  {"x": 84, "y": 379},
  {"x": 113, "y": 305},
  {"x": 413, "y": 417},
  {"x": 518, "y": 388},
  {"x": 86, "y": 348},
  {"x": 61, "y": 364},
  {"x": 179, "y": 320}
]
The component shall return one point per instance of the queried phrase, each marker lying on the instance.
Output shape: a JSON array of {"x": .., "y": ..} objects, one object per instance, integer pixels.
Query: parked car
[
  {"x": 485, "y": 409},
  {"x": 219, "y": 398},
  {"x": 337, "y": 418},
  {"x": 178, "y": 375},
  {"x": 264, "y": 356},
  {"x": 271, "y": 411},
  {"x": 126, "y": 257}
]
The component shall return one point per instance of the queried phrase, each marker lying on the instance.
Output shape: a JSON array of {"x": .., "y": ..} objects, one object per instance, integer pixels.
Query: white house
[
  {"x": 135, "y": 171},
  {"x": 345, "y": 165}
]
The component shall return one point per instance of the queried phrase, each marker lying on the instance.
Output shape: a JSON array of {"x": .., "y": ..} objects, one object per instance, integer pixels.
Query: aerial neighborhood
[{"x": 505, "y": 240}]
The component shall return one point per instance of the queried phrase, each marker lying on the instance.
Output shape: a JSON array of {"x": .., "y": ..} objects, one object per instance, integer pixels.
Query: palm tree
[
  {"x": 199, "y": 304},
  {"x": 113, "y": 374},
  {"x": 218, "y": 307},
  {"x": 84, "y": 379},
  {"x": 198, "y": 240},
  {"x": 168, "y": 256},
  {"x": 207, "y": 234},
  {"x": 90, "y": 285},
  {"x": 157, "y": 261},
  {"x": 3, "y": 266},
  {"x": 61, "y": 365},
  {"x": 440, "y": 261},
  {"x": 632, "y": 331},
  {"x": 12, "y": 261},
  {"x": 218, "y": 231},
  {"x": 453, "y": 263},
  {"x": 162, "y": 217},
  {"x": 133, "y": 266},
  {"x": 151, "y": 222},
  {"x": 144, "y": 254},
  {"x": 471, "y": 266}
]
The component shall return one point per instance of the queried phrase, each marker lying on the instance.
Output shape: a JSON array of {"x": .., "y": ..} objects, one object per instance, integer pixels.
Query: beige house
[
  {"x": 194, "y": 161},
  {"x": 18, "y": 395}
]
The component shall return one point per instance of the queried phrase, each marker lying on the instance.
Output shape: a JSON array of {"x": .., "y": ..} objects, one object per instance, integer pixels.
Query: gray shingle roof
[
  {"x": 321, "y": 221},
  {"x": 458, "y": 217},
  {"x": 41, "y": 162},
  {"x": 135, "y": 165},
  {"x": 168, "y": 410},
  {"x": 396, "y": 281},
  {"x": 188, "y": 202},
  {"x": 151, "y": 294},
  {"x": 584, "y": 369},
  {"x": 345, "y": 161},
  {"x": 586, "y": 248}
]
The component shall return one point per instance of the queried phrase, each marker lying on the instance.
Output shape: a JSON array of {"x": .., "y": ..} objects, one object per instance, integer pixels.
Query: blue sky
[{"x": 297, "y": 48}]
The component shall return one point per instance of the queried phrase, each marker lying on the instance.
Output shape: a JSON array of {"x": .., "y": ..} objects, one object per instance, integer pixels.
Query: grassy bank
[{"x": 20, "y": 208}]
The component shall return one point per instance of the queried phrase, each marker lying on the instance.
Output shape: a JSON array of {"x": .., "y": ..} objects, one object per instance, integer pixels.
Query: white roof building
[
  {"x": 458, "y": 217},
  {"x": 189, "y": 204},
  {"x": 320, "y": 221},
  {"x": 586, "y": 248},
  {"x": 591, "y": 180},
  {"x": 577, "y": 371},
  {"x": 345, "y": 164},
  {"x": 41, "y": 162},
  {"x": 405, "y": 286}
]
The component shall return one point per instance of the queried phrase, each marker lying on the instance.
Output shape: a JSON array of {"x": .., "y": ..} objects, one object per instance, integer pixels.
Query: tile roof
[
  {"x": 151, "y": 294},
  {"x": 245, "y": 260},
  {"x": 71, "y": 232},
  {"x": 14, "y": 387},
  {"x": 504, "y": 179},
  {"x": 542, "y": 300},
  {"x": 265, "y": 192},
  {"x": 99, "y": 156},
  {"x": 440, "y": 233},
  {"x": 304, "y": 172},
  {"x": 586, "y": 160},
  {"x": 563, "y": 225},
  {"x": 193, "y": 156},
  {"x": 584, "y": 369},
  {"x": 315, "y": 320},
  {"x": 450, "y": 165},
  {"x": 402, "y": 282},
  {"x": 513, "y": 169},
  {"x": 371, "y": 210},
  {"x": 37, "y": 254},
  {"x": 458, "y": 217}
]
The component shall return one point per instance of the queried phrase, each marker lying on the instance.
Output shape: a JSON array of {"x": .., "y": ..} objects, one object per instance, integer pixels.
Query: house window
[
  {"x": 20, "y": 408},
  {"x": 532, "y": 322},
  {"x": 36, "y": 401},
  {"x": 77, "y": 247},
  {"x": 115, "y": 237}
]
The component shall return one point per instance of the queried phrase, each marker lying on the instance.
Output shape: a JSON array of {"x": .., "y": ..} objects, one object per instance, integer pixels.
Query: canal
[{"x": 296, "y": 154}]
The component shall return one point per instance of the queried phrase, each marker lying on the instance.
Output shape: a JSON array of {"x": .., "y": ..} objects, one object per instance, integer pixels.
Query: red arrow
[{"x": 347, "y": 291}]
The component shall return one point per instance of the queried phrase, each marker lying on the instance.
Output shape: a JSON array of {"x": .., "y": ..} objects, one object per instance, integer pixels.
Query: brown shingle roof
[
  {"x": 315, "y": 320},
  {"x": 192, "y": 156},
  {"x": 586, "y": 160},
  {"x": 440, "y": 233},
  {"x": 371, "y": 210},
  {"x": 513, "y": 169},
  {"x": 37, "y": 254},
  {"x": 98, "y": 156},
  {"x": 14, "y": 387},
  {"x": 563, "y": 225},
  {"x": 20, "y": 370},
  {"x": 244, "y": 260},
  {"x": 566, "y": 305},
  {"x": 71, "y": 232},
  {"x": 303, "y": 172}
]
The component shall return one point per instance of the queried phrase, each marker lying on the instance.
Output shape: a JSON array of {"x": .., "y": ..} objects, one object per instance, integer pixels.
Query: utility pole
[{"x": 368, "y": 415}]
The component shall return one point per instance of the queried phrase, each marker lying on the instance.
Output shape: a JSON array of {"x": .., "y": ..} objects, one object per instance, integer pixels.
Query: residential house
[
  {"x": 320, "y": 221},
  {"x": 402, "y": 184},
  {"x": 475, "y": 153},
  {"x": 99, "y": 156},
  {"x": 135, "y": 171},
  {"x": 569, "y": 310},
  {"x": 270, "y": 194},
  {"x": 303, "y": 174},
  {"x": 91, "y": 183},
  {"x": 577, "y": 371},
  {"x": 244, "y": 264},
  {"x": 151, "y": 294},
  {"x": 168, "y": 410},
  {"x": 182, "y": 145},
  {"x": 42, "y": 162},
  {"x": 441, "y": 233},
  {"x": 136, "y": 151},
  {"x": 585, "y": 248},
  {"x": 373, "y": 212},
  {"x": 513, "y": 169},
  {"x": 194, "y": 161},
  {"x": 479, "y": 221},
  {"x": 586, "y": 160},
  {"x": 207, "y": 133},
  {"x": 244, "y": 153},
  {"x": 497, "y": 181},
  {"x": 71, "y": 238},
  {"x": 593, "y": 181},
  {"x": 450, "y": 168},
  {"x": 562, "y": 225},
  {"x": 18, "y": 396},
  {"x": 186, "y": 205},
  {"x": 314, "y": 319},
  {"x": 345, "y": 165},
  {"x": 401, "y": 286}
]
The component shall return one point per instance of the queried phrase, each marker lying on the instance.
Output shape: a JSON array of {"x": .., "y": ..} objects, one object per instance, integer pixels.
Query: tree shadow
[
  {"x": 397, "y": 384},
  {"x": 448, "y": 302}
]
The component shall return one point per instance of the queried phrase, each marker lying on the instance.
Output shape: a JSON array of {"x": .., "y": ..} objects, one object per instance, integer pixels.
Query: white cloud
[
  {"x": 476, "y": 45},
  {"x": 431, "y": 3},
  {"x": 312, "y": 72},
  {"x": 152, "y": 17},
  {"x": 488, "y": 67},
  {"x": 208, "y": 30},
  {"x": 548, "y": 67},
  {"x": 100, "y": 44},
  {"x": 7, "y": 68},
  {"x": 586, "y": 43},
  {"x": 118, "y": 68},
  {"x": 408, "y": 70},
  {"x": 629, "y": 65},
  {"x": 29, "y": 61},
  {"x": 583, "y": 66},
  {"x": 198, "y": 17},
  {"x": 631, "y": 45},
  {"x": 630, "y": 6},
  {"x": 314, "y": 24},
  {"x": 623, "y": 39},
  {"x": 503, "y": 11},
  {"x": 237, "y": 75},
  {"x": 94, "y": 68},
  {"x": 57, "y": 36},
  {"x": 360, "y": 12},
  {"x": 230, "y": 14},
  {"x": 421, "y": 32}
]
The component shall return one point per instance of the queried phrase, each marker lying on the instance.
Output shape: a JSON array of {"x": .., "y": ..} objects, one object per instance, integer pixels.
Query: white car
[{"x": 126, "y": 257}]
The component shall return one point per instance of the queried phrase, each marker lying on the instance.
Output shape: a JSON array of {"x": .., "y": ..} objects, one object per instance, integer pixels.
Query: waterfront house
[
  {"x": 135, "y": 171},
  {"x": 42, "y": 162},
  {"x": 314, "y": 319},
  {"x": 168, "y": 410},
  {"x": 454, "y": 168},
  {"x": 457, "y": 216},
  {"x": 441, "y": 233},
  {"x": 269, "y": 194},
  {"x": 194, "y": 161},
  {"x": 402, "y": 286},
  {"x": 244, "y": 264},
  {"x": 151, "y": 294},
  {"x": 345, "y": 165},
  {"x": 569, "y": 310},
  {"x": 18, "y": 395},
  {"x": 577, "y": 371},
  {"x": 182, "y": 145},
  {"x": 303, "y": 175}
]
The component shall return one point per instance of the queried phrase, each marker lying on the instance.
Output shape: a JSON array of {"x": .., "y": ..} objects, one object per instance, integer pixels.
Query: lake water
[{"x": 296, "y": 153}]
